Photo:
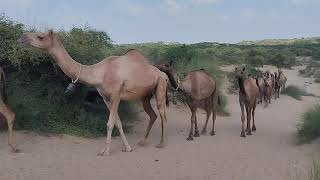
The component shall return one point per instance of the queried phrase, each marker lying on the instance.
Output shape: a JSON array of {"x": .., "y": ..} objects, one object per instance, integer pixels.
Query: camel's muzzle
[{"x": 24, "y": 40}]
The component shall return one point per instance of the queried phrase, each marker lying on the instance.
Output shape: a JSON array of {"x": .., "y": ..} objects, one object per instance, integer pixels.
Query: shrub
[
  {"x": 294, "y": 92},
  {"x": 36, "y": 86},
  {"x": 309, "y": 127}
]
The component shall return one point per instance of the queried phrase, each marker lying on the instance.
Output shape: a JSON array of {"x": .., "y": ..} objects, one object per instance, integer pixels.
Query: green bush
[
  {"x": 309, "y": 127},
  {"x": 36, "y": 85},
  {"x": 294, "y": 92}
]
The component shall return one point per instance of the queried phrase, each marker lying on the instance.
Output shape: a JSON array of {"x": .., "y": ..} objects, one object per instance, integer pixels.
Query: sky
[{"x": 184, "y": 21}]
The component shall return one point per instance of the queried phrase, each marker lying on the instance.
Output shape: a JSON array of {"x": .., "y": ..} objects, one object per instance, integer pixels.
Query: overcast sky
[{"x": 185, "y": 21}]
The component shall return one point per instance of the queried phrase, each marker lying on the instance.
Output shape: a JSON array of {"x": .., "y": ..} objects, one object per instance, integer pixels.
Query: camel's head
[
  {"x": 166, "y": 67},
  {"x": 39, "y": 40},
  {"x": 240, "y": 73}
]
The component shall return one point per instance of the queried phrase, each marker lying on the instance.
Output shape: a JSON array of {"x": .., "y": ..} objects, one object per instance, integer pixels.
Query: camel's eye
[
  {"x": 167, "y": 65},
  {"x": 40, "y": 37}
]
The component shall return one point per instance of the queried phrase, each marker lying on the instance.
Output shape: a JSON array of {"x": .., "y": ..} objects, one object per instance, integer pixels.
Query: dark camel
[
  {"x": 5, "y": 111},
  {"x": 200, "y": 91},
  {"x": 129, "y": 77},
  {"x": 248, "y": 96}
]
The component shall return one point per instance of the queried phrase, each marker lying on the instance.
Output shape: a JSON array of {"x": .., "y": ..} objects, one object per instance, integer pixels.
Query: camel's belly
[{"x": 136, "y": 93}]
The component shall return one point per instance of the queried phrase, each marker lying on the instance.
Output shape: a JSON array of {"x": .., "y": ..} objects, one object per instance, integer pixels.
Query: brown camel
[
  {"x": 5, "y": 111},
  {"x": 200, "y": 91},
  {"x": 129, "y": 77},
  {"x": 248, "y": 96},
  {"x": 283, "y": 79}
]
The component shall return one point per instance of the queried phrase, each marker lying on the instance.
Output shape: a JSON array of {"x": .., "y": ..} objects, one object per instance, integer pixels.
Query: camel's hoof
[
  {"x": 203, "y": 132},
  {"x": 242, "y": 134},
  {"x": 190, "y": 138},
  {"x": 254, "y": 129},
  {"x": 15, "y": 150},
  {"x": 249, "y": 133},
  {"x": 196, "y": 134},
  {"x": 127, "y": 149},
  {"x": 212, "y": 133},
  {"x": 161, "y": 145},
  {"x": 103, "y": 154},
  {"x": 142, "y": 143}
]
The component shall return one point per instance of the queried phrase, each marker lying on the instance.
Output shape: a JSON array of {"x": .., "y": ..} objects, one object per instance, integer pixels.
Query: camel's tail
[
  {"x": 219, "y": 100},
  {"x": 167, "y": 98},
  {"x": 257, "y": 83},
  {"x": 216, "y": 93},
  {"x": 3, "y": 88}
]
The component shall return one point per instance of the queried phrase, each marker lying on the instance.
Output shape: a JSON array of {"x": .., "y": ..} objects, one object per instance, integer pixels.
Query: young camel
[
  {"x": 200, "y": 91},
  {"x": 129, "y": 77},
  {"x": 248, "y": 96},
  {"x": 5, "y": 112}
]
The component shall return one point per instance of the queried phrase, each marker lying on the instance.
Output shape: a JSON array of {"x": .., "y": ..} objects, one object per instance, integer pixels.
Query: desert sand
[{"x": 271, "y": 153}]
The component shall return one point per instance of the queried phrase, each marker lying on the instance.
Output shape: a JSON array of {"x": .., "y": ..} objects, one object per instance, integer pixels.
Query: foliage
[
  {"x": 36, "y": 86},
  {"x": 309, "y": 127}
]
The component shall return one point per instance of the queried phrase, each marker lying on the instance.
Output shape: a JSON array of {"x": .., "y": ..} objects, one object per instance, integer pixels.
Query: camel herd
[{"x": 130, "y": 77}]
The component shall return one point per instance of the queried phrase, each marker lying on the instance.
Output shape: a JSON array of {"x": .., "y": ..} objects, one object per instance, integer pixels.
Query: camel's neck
[
  {"x": 241, "y": 85},
  {"x": 72, "y": 68}
]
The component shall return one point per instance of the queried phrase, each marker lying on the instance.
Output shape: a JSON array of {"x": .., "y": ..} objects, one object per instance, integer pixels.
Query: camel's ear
[
  {"x": 243, "y": 69},
  {"x": 170, "y": 62}
]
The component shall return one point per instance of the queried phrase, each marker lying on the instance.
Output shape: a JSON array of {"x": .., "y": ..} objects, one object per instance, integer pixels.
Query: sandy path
[{"x": 269, "y": 154}]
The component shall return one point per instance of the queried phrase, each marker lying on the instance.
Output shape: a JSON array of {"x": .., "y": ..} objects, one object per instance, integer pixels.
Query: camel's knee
[
  {"x": 110, "y": 125},
  {"x": 153, "y": 116},
  {"x": 10, "y": 118},
  {"x": 118, "y": 125}
]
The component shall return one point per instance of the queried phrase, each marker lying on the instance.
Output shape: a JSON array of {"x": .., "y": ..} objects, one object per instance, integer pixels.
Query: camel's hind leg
[
  {"x": 214, "y": 111},
  {"x": 196, "y": 130},
  {"x": 161, "y": 105},
  {"x": 204, "y": 130},
  {"x": 10, "y": 117},
  {"x": 153, "y": 116}
]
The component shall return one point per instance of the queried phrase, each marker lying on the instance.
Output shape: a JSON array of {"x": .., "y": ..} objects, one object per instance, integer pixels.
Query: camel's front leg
[
  {"x": 10, "y": 117},
  {"x": 242, "y": 119},
  {"x": 153, "y": 116},
  {"x": 114, "y": 104},
  {"x": 119, "y": 126}
]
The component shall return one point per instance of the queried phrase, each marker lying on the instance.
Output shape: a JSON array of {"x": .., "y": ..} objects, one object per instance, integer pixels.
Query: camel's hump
[{"x": 136, "y": 55}]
